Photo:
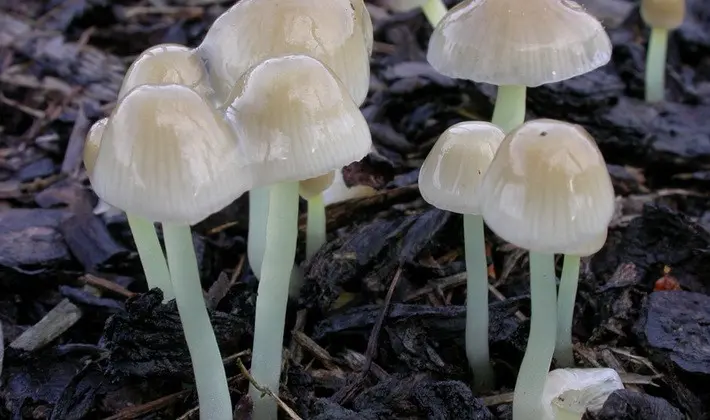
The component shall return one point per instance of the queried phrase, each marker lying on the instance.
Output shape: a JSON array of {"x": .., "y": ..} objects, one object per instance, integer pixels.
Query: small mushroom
[
  {"x": 166, "y": 155},
  {"x": 297, "y": 121},
  {"x": 338, "y": 33},
  {"x": 548, "y": 191},
  {"x": 146, "y": 239},
  {"x": 534, "y": 42},
  {"x": 569, "y": 393},
  {"x": 167, "y": 64},
  {"x": 662, "y": 16},
  {"x": 450, "y": 179}
]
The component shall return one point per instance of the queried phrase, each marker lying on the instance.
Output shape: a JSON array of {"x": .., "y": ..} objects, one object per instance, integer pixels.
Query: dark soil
[{"x": 83, "y": 339}]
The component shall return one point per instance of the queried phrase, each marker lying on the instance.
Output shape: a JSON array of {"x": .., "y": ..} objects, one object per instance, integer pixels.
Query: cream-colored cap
[
  {"x": 514, "y": 42},
  {"x": 340, "y": 191},
  {"x": 166, "y": 155},
  {"x": 664, "y": 14},
  {"x": 569, "y": 393},
  {"x": 548, "y": 190},
  {"x": 451, "y": 175},
  {"x": 253, "y": 30},
  {"x": 296, "y": 120},
  {"x": 167, "y": 64},
  {"x": 309, "y": 188},
  {"x": 92, "y": 143}
]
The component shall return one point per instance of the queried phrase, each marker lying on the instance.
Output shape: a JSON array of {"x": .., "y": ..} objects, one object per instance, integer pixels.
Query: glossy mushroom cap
[
  {"x": 340, "y": 191},
  {"x": 664, "y": 14},
  {"x": 335, "y": 32},
  {"x": 576, "y": 391},
  {"x": 167, "y": 156},
  {"x": 309, "y": 188},
  {"x": 534, "y": 42},
  {"x": 92, "y": 144},
  {"x": 451, "y": 175},
  {"x": 548, "y": 190},
  {"x": 296, "y": 119},
  {"x": 167, "y": 64}
]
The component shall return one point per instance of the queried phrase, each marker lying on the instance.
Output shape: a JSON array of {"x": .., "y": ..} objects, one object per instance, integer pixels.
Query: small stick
[
  {"x": 347, "y": 393},
  {"x": 266, "y": 391}
]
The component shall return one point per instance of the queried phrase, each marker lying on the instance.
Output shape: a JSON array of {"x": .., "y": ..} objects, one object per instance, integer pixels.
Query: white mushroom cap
[
  {"x": 92, "y": 143},
  {"x": 166, "y": 155},
  {"x": 339, "y": 191},
  {"x": 451, "y": 175},
  {"x": 167, "y": 64},
  {"x": 251, "y": 31},
  {"x": 548, "y": 190},
  {"x": 514, "y": 42},
  {"x": 576, "y": 391},
  {"x": 296, "y": 120},
  {"x": 664, "y": 14},
  {"x": 311, "y": 187}
]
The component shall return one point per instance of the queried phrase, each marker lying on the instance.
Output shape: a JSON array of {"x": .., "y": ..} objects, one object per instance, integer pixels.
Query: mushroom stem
[
  {"x": 210, "y": 377},
  {"x": 527, "y": 399},
  {"x": 434, "y": 11},
  {"x": 565, "y": 311},
  {"x": 509, "y": 111},
  {"x": 315, "y": 228},
  {"x": 656, "y": 65},
  {"x": 256, "y": 242},
  {"x": 281, "y": 236},
  {"x": 151, "y": 255},
  {"x": 477, "y": 302}
]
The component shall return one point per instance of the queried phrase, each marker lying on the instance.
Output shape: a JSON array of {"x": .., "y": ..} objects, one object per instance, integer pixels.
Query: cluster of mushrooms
[{"x": 268, "y": 104}]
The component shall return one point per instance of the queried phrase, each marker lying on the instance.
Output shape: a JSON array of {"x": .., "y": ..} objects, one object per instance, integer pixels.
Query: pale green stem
[
  {"x": 527, "y": 399},
  {"x": 269, "y": 319},
  {"x": 151, "y": 255},
  {"x": 477, "y": 302},
  {"x": 256, "y": 244},
  {"x": 434, "y": 11},
  {"x": 565, "y": 311},
  {"x": 656, "y": 65},
  {"x": 315, "y": 228},
  {"x": 509, "y": 111},
  {"x": 210, "y": 377}
]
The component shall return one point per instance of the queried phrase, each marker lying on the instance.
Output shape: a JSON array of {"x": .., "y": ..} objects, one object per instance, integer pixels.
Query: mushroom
[
  {"x": 146, "y": 239},
  {"x": 548, "y": 191},
  {"x": 167, "y": 64},
  {"x": 312, "y": 191},
  {"x": 534, "y": 42},
  {"x": 450, "y": 180},
  {"x": 339, "y": 191},
  {"x": 299, "y": 121},
  {"x": 662, "y": 16},
  {"x": 434, "y": 10},
  {"x": 337, "y": 32},
  {"x": 166, "y": 155},
  {"x": 569, "y": 393}
]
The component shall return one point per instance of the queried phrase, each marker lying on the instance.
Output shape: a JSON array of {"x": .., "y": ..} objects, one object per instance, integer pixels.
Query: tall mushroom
[
  {"x": 146, "y": 239},
  {"x": 167, "y": 156},
  {"x": 336, "y": 32},
  {"x": 548, "y": 191},
  {"x": 434, "y": 10},
  {"x": 299, "y": 121},
  {"x": 450, "y": 179},
  {"x": 662, "y": 16},
  {"x": 517, "y": 44}
]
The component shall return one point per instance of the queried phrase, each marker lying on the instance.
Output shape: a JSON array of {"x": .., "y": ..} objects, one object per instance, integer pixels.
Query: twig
[
  {"x": 266, "y": 391},
  {"x": 347, "y": 393},
  {"x": 139, "y": 410},
  {"x": 107, "y": 285}
]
